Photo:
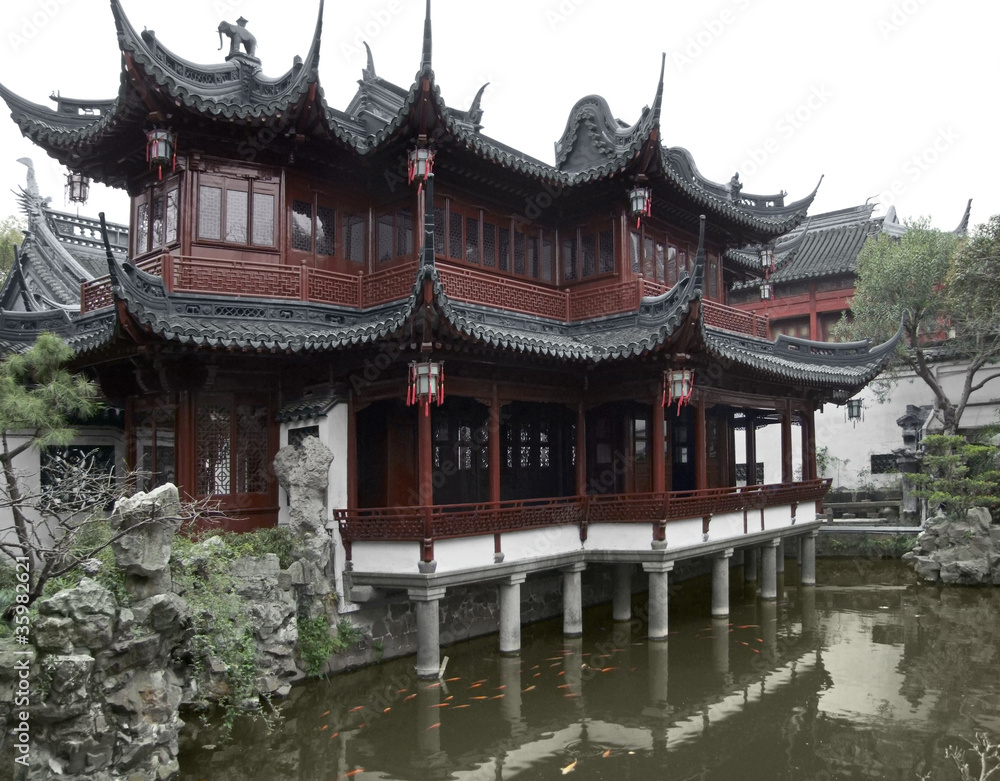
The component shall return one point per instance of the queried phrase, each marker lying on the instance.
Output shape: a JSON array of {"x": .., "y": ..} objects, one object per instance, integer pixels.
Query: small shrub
[
  {"x": 278, "y": 540},
  {"x": 317, "y": 643}
]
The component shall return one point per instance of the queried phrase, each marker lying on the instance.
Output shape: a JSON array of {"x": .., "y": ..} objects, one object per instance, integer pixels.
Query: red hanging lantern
[
  {"x": 421, "y": 164},
  {"x": 678, "y": 384},
  {"x": 161, "y": 149},
  {"x": 426, "y": 384},
  {"x": 640, "y": 203}
]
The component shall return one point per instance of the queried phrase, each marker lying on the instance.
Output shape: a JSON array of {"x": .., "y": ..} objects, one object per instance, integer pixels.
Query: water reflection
[{"x": 863, "y": 676}]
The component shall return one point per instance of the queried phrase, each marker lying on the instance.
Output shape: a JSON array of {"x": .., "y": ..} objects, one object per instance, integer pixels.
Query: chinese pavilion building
[{"x": 518, "y": 366}]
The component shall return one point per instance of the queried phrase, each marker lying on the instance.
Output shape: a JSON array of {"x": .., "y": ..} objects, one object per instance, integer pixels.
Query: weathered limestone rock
[
  {"x": 151, "y": 520},
  {"x": 82, "y": 618},
  {"x": 960, "y": 551},
  {"x": 303, "y": 471}
]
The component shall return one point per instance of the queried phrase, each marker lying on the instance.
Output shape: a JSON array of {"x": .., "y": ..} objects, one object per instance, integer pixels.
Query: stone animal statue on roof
[{"x": 238, "y": 34}]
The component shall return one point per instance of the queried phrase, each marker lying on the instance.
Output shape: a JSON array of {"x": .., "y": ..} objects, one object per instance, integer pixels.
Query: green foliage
[
  {"x": 223, "y": 634},
  {"x": 317, "y": 643},
  {"x": 39, "y": 395},
  {"x": 958, "y": 474},
  {"x": 11, "y": 232},
  {"x": 278, "y": 540}
]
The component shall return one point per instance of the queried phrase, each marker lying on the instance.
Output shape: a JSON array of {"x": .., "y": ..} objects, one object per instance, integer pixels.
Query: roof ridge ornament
[
  {"x": 239, "y": 35},
  {"x": 425, "y": 58}
]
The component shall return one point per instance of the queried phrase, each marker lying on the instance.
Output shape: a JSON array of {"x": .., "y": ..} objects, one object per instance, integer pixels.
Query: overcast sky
[{"x": 893, "y": 100}]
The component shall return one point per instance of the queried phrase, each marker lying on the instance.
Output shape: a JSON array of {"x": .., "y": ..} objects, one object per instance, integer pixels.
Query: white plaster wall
[
  {"x": 535, "y": 543},
  {"x": 778, "y": 517},
  {"x": 385, "y": 556},
  {"x": 619, "y": 536},
  {"x": 851, "y": 446},
  {"x": 680, "y": 534},
  {"x": 726, "y": 525},
  {"x": 465, "y": 553}
]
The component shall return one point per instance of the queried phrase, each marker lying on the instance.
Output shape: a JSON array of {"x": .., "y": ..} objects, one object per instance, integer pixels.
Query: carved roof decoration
[
  {"x": 59, "y": 251},
  {"x": 219, "y": 99}
]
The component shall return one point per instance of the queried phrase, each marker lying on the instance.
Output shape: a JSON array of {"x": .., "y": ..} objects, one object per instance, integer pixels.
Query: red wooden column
[
  {"x": 659, "y": 468},
  {"x": 581, "y": 451},
  {"x": 425, "y": 484},
  {"x": 751, "y": 448},
  {"x": 700, "y": 443},
  {"x": 786, "y": 444}
]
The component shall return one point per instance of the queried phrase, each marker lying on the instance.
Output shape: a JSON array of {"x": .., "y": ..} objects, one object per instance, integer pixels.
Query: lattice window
[
  {"x": 237, "y": 214},
  {"x": 606, "y": 253},
  {"x": 519, "y": 257},
  {"x": 157, "y": 232},
  {"x": 634, "y": 255},
  {"x": 671, "y": 266},
  {"x": 648, "y": 260},
  {"x": 548, "y": 259},
  {"x": 661, "y": 261},
  {"x": 302, "y": 225},
  {"x": 263, "y": 219},
  {"x": 354, "y": 238},
  {"x": 154, "y": 447},
  {"x": 588, "y": 245},
  {"x": 532, "y": 249},
  {"x": 209, "y": 212},
  {"x": 251, "y": 449},
  {"x": 326, "y": 228},
  {"x": 404, "y": 232},
  {"x": 569, "y": 258},
  {"x": 471, "y": 239},
  {"x": 489, "y": 244},
  {"x": 141, "y": 228},
  {"x": 455, "y": 246},
  {"x": 883, "y": 463},
  {"x": 212, "y": 455},
  {"x": 385, "y": 230},
  {"x": 741, "y": 474},
  {"x": 503, "y": 248},
  {"x": 440, "y": 230}
]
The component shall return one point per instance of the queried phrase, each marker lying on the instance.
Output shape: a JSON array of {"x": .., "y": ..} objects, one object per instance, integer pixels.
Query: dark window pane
[
  {"x": 455, "y": 248},
  {"x": 518, "y": 252},
  {"x": 588, "y": 243},
  {"x": 569, "y": 259},
  {"x": 533, "y": 256},
  {"x": 404, "y": 232},
  {"x": 354, "y": 238},
  {"x": 472, "y": 240},
  {"x": 237, "y": 212},
  {"x": 503, "y": 248},
  {"x": 209, "y": 212},
  {"x": 251, "y": 449},
  {"x": 386, "y": 230},
  {"x": 325, "y": 230},
  {"x": 263, "y": 219},
  {"x": 489, "y": 245},
  {"x": 548, "y": 260},
  {"x": 302, "y": 226},
  {"x": 606, "y": 252},
  {"x": 440, "y": 223}
]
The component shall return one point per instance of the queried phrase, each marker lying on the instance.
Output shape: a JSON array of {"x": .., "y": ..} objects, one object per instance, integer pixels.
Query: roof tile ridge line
[
  {"x": 313, "y": 55},
  {"x": 658, "y": 97}
]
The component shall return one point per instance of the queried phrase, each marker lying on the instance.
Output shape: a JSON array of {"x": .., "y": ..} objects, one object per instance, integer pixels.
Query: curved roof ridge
[{"x": 235, "y": 88}]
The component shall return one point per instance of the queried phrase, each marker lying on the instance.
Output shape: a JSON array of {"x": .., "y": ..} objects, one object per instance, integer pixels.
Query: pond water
[{"x": 868, "y": 675}]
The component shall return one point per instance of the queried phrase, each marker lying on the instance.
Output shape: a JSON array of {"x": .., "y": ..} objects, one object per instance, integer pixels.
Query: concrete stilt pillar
[
  {"x": 426, "y": 602},
  {"x": 769, "y": 570},
  {"x": 720, "y": 583},
  {"x": 750, "y": 565},
  {"x": 809, "y": 558},
  {"x": 781, "y": 555},
  {"x": 659, "y": 599},
  {"x": 510, "y": 614},
  {"x": 510, "y": 705},
  {"x": 768, "y": 620},
  {"x": 572, "y": 587},
  {"x": 428, "y": 716},
  {"x": 621, "y": 605}
]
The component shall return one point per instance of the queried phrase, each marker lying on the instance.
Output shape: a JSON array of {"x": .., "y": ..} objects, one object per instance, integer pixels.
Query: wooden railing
[
  {"x": 731, "y": 319},
  {"x": 250, "y": 279},
  {"x": 408, "y": 524}
]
